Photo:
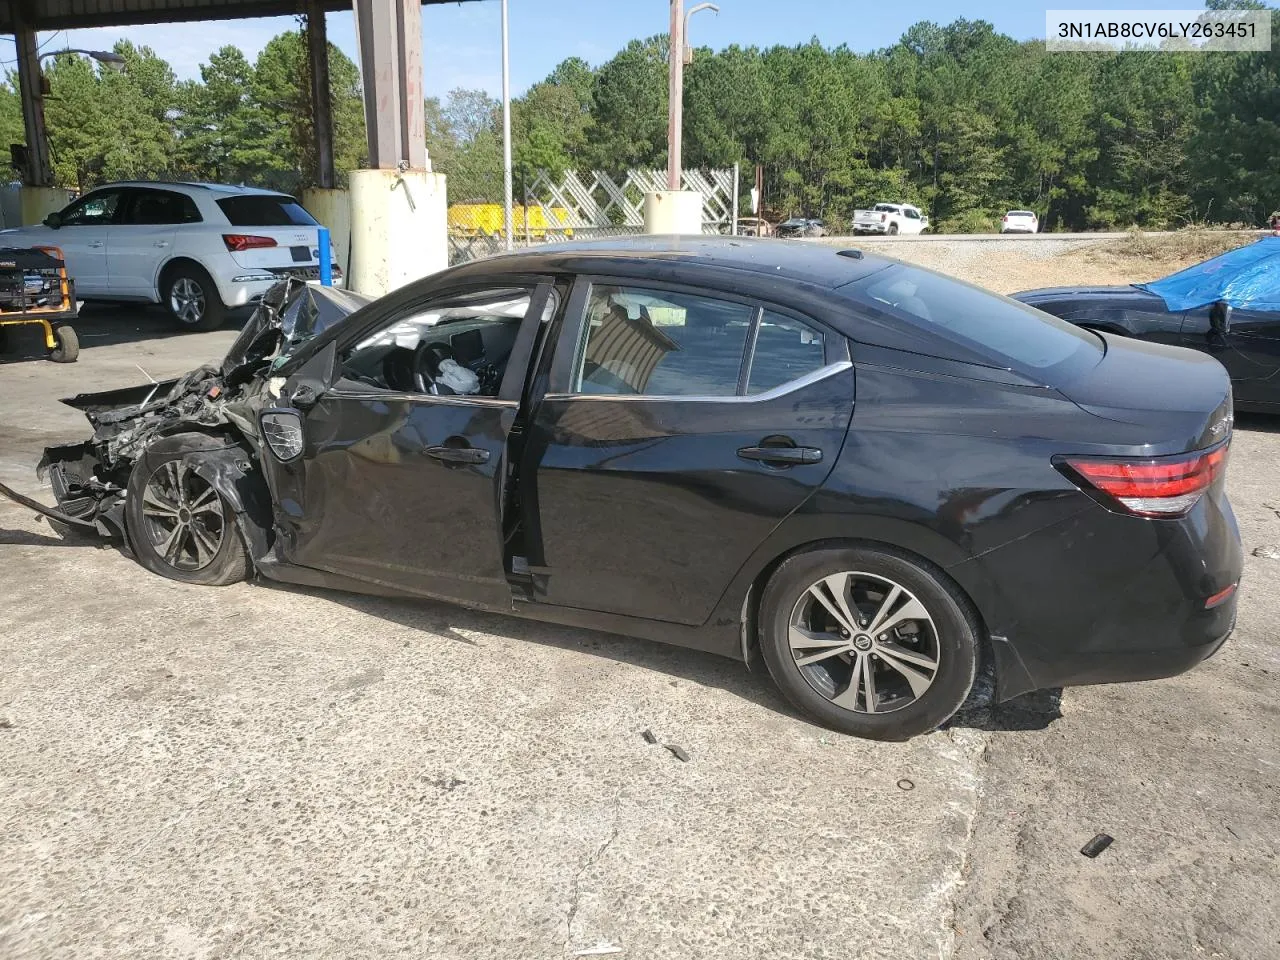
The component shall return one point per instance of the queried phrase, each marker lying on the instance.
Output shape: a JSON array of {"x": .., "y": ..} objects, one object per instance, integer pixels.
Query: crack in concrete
[
  {"x": 586, "y": 865},
  {"x": 951, "y": 888}
]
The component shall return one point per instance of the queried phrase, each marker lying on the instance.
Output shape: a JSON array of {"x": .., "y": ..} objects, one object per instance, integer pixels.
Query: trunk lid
[
  {"x": 1162, "y": 399},
  {"x": 271, "y": 231}
]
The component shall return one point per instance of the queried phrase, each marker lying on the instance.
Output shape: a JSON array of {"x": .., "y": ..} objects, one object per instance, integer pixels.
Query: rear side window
[
  {"x": 155, "y": 207},
  {"x": 265, "y": 210},
  {"x": 785, "y": 350},
  {"x": 1009, "y": 332},
  {"x": 659, "y": 343}
]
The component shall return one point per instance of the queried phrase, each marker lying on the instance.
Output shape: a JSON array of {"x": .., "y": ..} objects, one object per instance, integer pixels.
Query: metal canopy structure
[
  {"x": 69, "y": 14},
  {"x": 389, "y": 34}
]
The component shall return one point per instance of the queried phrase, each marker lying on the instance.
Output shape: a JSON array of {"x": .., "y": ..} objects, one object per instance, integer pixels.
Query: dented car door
[{"x": 394, "y": 486}]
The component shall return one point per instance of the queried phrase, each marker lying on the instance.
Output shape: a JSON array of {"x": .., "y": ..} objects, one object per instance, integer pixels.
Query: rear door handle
[
  {"x": 96, "y": 244},
  {"x": 162, "y": 243},
  {"x": 781, "y": 455},
  {"x": 459, "y": 454}
]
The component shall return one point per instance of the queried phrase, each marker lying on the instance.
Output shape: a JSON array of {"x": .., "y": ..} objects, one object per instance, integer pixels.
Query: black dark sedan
[
  {"x": 877, "y": 479},
  {"x": 1228, "y": 307}
]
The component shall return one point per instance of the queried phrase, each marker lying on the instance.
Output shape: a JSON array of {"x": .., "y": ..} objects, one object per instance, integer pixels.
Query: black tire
[
  {"x": 951, "y": 639},
  {"x": 68, "y": 348},
  {"x": 893, "y": 228},
  {"x": 191, "y": 298},
  {"x": 226, "y": 562}
]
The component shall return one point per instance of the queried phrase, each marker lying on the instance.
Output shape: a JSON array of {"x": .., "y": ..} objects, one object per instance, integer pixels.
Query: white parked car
[
  {"x": 1020, "y": 221},
  {"x": 198, "y": 248},
  {"x": 890, "y": 218}
]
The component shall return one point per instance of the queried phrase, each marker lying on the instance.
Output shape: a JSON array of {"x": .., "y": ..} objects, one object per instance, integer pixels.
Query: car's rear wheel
[
  {"x": 192, "y": 298},
  {"x": 893, "y": 228},
  {"x": 869, "y": 641},
  {"x": 180, "y": 527}
]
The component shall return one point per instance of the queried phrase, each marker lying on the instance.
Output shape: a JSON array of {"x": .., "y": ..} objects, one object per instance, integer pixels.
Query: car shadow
[
  {"x": 108, "y": 324},
  {"x": 1257, "y": 422},
  {"x": 1031, "y": 711},
  {"x": 458, "y": 624},
  {"x": 26, "y": 538}
]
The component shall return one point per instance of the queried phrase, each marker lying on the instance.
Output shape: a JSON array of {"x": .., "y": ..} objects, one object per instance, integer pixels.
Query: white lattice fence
[{"x": 599, "y": 201}]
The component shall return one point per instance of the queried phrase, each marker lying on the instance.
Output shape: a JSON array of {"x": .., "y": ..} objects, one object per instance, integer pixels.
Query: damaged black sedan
[{"x": 879, "y": 480}]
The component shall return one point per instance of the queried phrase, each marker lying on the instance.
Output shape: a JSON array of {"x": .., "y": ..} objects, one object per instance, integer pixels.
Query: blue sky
[{"x": 461, "y": 45}]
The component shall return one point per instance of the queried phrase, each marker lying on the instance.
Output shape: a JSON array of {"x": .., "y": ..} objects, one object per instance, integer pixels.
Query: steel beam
[
  {"x": 321, "y": 100},
  {"x": 39, "y": 172},
  {"x": 389, "y": 33}
]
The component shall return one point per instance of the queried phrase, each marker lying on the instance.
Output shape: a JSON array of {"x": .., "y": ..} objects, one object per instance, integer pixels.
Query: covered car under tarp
[{"x": 1247, "y": 278}]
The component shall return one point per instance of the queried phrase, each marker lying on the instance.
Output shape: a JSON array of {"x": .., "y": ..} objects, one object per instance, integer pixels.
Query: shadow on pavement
[
  {"x": 1258, "y": 422},
  {"x": 456, "y": 622},
  {"x": 1031, "y": 711},
  {"x": 107, "y": 324}
]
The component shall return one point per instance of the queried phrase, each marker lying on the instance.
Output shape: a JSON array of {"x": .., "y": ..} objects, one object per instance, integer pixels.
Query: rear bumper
[
  {"x": 241, "y": 290},
  {"x": 1105, "y": 598}
]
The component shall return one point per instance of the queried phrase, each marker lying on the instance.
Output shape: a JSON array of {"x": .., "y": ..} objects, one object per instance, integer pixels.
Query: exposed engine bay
[{"x": 219, "y": 404}]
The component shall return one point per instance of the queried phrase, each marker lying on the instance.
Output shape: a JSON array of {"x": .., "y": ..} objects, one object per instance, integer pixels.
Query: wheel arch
[
  {"x": 227, "y": 463},
  {"x": 916, "y": 542},
  {"x": 173, "y": 263}
]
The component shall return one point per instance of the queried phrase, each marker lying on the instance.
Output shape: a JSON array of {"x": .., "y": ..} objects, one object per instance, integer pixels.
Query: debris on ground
[
  {"x": 1096, "y": 845},
  {"x": 905, "y": 784},
  {"x": 448, "y": 785},
  {"x": 601, "y": 949},
  {"x": 1269, "y": 552},
  {"x": 648, "y": 736},
  {"x": 6, "y": 723},
  {"x": 677, "y": 752}
]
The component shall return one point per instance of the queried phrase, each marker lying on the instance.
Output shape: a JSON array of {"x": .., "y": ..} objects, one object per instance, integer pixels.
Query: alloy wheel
[
  {"x": 183, "y": 515},
  {"x": 864, "y": 642},
  {"x": 186, "y": 299}
]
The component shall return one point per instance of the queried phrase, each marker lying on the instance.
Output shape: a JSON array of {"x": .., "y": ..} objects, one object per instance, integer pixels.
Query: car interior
[{"x": 455, "y": 347}]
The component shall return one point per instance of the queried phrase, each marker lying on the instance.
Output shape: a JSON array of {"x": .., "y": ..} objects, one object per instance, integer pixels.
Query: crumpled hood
[{"x": 290, "y": 313}]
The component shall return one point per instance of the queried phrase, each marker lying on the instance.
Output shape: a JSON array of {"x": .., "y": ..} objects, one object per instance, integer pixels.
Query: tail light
[
  {"x": 883, "y": 217},
  {"x": 1005, "y": 218},
  {"x": 236, "y": 242},
  {"x": 1158, "y": 487}
]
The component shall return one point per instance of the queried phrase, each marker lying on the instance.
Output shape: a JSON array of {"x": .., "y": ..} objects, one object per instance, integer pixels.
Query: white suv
[{"x": 198, "y": 248}]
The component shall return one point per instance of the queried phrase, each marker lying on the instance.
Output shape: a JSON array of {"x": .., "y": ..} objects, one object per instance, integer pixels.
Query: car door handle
[
  {"x": 95, "y": 244},
  {"x": 781, "y": 455},
  {"x": 162, "y": 243},
  {"x": 459, "y": 454}
]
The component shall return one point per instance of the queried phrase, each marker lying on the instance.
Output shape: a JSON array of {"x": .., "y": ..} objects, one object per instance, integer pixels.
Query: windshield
[{"x": 1010, "y": 333}]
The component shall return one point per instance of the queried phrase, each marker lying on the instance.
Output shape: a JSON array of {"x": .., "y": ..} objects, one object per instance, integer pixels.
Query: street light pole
[
  {"x": 506, "y": 136},
  {"x": 679, "y": 55}
]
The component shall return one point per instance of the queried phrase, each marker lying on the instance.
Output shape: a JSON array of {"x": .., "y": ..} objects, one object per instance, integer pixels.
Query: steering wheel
[{"x": 426, "y": 367}]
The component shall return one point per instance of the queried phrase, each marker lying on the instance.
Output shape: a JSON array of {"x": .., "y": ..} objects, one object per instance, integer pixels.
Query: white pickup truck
[{"x": 890, "y": 218}]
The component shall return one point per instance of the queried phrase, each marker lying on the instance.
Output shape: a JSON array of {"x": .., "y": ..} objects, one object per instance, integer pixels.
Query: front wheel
[
  {"x": 868, "y": 641},
  {"x": 180, "y": 527},
  {"x": 192, "y": 298}
]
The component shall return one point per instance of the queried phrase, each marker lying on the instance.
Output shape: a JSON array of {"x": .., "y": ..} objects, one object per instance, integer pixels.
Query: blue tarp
[{"x": 1248, "y": 278}]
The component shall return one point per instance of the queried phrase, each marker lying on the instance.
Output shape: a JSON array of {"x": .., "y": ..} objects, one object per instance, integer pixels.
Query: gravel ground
[{"x": 255, "y": 771}]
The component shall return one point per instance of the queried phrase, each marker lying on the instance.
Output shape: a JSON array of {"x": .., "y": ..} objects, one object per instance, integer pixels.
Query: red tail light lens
[
  {"x": 883, "y": 217},
  {"x": 1159, "y": 487},
  {"x": 236, "y": 242}
]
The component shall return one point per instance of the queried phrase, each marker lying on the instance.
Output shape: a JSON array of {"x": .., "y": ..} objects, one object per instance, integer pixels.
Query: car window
[
  {"x": 785, "y": 350},
  {"x": 265, "y": 210},
  {"x": 1005, "y": 329},
  {"x": 885, "y": 208},
  {"x": 475, "y": 331},
  {"x": 911, "y": 213},
  {"x": 639, "y": 341},
  {"x": 154, "y": 207},
  {"x": 95, "y": 208}
]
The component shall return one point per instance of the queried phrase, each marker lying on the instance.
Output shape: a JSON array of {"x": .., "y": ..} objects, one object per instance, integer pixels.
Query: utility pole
[
  {"x": 675, "y": 94},
  {"x": 679, "y": 55}
]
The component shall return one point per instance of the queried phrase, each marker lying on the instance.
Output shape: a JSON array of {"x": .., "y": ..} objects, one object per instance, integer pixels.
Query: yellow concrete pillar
[
  {"x": 38, "y": 202},
  {"x": 333, "y": 209},
  {"x": 399, "y": 228}
]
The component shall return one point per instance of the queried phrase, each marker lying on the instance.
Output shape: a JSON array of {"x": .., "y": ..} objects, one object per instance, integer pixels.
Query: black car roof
[{"x": 813, "y": 263}]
